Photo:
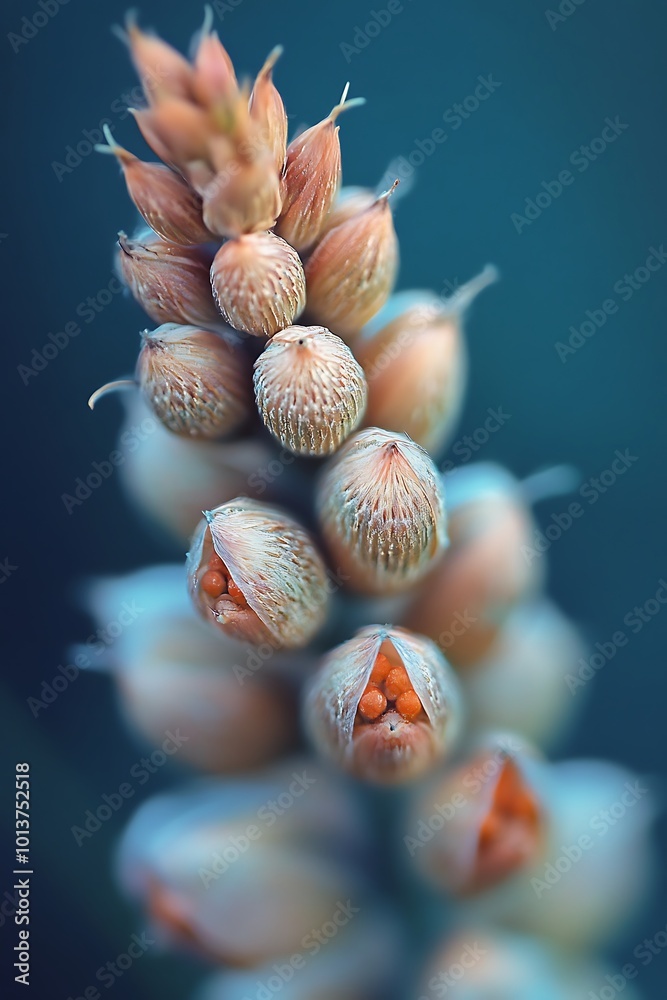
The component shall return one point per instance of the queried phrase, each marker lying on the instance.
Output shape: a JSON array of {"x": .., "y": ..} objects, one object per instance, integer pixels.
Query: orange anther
[
  {"x": 408, "y": 704},
  {"x": 372, "y": 703},
  {"x": 236, "y": 595},
  {"x": 381, "y": 669},
  {"x": 397, "y": 682},
  {"x": 212, "y": 583}
]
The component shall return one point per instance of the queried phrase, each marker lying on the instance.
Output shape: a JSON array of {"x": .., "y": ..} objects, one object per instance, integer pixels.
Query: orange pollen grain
[
  {"x": 372, "y": 703},
  {"x": 381, "y": 669},
  {"x": 212, "y": 583},
  {"x": 409, "y": 705},
  {"x": 236, "y": 595},
  {"x": 397, "y": 683}
]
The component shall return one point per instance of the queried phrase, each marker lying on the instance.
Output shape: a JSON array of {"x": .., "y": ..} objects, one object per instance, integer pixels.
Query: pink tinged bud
[
  {"x": 311, "y": 179},
  {"x": 413, "y": 353},
  {"x": 258, "y": 283},
  {"x": 351, "y": 272},
  {"x": 196, "y": 382},
  {"x": 493, "y": 820},
  {"x": 170, "y": 282},
  {"x": 350, "y": 201},
  {"x": 176, "y": 131},
  {"x": 214, "y": 77},
  {"x": 268, "y": 111},
  {"x": 381, "y": 508},
  {"x": 169, "y": 205},
  {"x": 163, "y": 71},
  {"x": 269, "y": 583},
  {"x": 243, "y": 197}
]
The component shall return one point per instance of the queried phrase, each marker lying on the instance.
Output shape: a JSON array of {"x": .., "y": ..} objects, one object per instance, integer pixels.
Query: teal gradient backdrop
[{"x": 550, "y": 84}]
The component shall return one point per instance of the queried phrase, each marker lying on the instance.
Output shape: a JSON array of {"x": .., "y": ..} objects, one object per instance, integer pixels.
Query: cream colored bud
[
  {"x": 381, "y": 508},
  {"x": 310, "y": 391},
  {"x": 258, "y": 283}
]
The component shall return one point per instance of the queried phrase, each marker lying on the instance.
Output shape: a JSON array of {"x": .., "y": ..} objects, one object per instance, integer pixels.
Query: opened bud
[
  {"x": 384, "y": 705},
  {"x": 255, "y": 574}
]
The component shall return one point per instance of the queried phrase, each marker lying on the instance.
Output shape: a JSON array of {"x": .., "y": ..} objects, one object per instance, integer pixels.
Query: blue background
[{"x": 558, "y": 85}]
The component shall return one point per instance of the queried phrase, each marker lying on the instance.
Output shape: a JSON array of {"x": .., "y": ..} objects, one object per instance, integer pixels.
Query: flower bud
[
  {"x": 465, "y": 600},
  {"x": 311, "y": 179},
  {"x": 352, "y": 270},
  {"x": 493, "y": 821},
  {"x": 268, "y": 111},
  {"x": 381, "y": 509},
  {"x": 162, "y": 70},
  {"x": 208, "y": 472},
  {"x": 174, "y": 674},
  {"x": 539, "y": 653},
  {"x": 177, "y": 131},
  {"x": 258, "y": 283},
  {"x": 350, "y": 201},
  {"x": 384, "y": 706},
  {"x": 221, "y": 868},
  {"x": 559, "y": 850},
  {"x": 413, "y": 352},
  {"x": 170, "y": 282},
  {"x": 195, "y": 381},
  {"x": 256, "y": 574},
  {"x": 167, "y": 204},
  {"x": 214, "y": 79},
  {"x": 310, "y": 391}
]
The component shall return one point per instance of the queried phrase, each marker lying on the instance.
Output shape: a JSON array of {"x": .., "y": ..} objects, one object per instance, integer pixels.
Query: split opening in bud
[
  {"x": 389, "y": 690},
  {"x": 509, "y": 833},
  {"x": 224, "y": 597}
]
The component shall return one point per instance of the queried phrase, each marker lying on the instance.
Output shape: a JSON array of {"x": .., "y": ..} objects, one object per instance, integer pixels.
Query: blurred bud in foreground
[
  {"x": 358, "y": 962},
  {"x": 175, "y": 675},
  {"x": 521, "y": 685},
  {"x": 242, "y": 872},
  {"x": 208, "y": 472},
  {"x": 464, "y": 601},
  {"x": 477, "y": 963},
  {"x": 560, "y": 850},
  {"x": 384, "y": 705}
]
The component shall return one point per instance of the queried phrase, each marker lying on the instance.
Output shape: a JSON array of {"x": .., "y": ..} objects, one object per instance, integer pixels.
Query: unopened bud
[{"x": 351, "y": 272}]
